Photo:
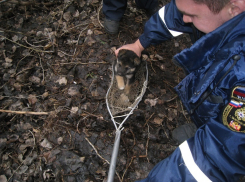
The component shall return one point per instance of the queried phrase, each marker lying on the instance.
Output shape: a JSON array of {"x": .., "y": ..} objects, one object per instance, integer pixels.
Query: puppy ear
[
  {"x": 121, "y": 52},
  {"x": 137, "y": 61}
]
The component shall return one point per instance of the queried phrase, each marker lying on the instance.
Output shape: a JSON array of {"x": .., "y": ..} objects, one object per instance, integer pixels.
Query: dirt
[{"x": 56, "y": 69}]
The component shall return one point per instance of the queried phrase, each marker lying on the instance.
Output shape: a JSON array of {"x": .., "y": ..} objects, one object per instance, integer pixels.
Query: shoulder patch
[{"x": 234, "y": 113}]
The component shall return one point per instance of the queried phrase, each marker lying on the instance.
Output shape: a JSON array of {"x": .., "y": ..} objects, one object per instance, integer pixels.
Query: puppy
[{"x": 125, "y": 67}]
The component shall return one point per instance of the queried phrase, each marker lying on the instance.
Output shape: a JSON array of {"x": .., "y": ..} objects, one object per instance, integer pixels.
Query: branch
[
  {"x": 37, "y": 50},
  {"x": 27, "y": 3},
  {"x": 25, "y": 112}
]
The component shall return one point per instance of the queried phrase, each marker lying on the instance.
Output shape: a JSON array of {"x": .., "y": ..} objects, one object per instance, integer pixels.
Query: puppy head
[
  {"x": 128, "y": 54},
  {"x": 127, "y": 62}
]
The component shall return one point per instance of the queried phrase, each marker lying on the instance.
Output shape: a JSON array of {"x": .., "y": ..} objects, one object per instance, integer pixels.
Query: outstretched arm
[
  {"x": 136, "y": 47},
  {"x": 164, "y": 25}
]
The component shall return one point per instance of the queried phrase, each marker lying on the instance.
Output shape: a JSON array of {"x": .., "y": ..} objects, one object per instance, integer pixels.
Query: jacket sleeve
[
  {"x": 215, "y": 153},
  {"x": 165, "y": 24}
]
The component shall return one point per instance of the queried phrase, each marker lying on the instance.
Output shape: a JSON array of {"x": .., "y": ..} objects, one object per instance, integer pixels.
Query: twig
[
  {"x": 183, "y": 112},
  {"x": 128, "y": 166},
  {"x": 164, "y": 129},
  {"x": 4, "y": 30},
  {"x": 97, "y": 151},
  {"x": 25, "y": 112},
  {"x": 13, "y": 118},
  {"x": 37, "y": 50},
  {"x": 15, "y": 170},
  {"x": 3, "y": 86},
  {"x": 25, "y": 39},
  {"x": 24, "y": 159},
  {"x": 171, "y": 99},
  {"x": 21, "y": 97},
  {"x": 33, "y": 137},
  {"x": 133, "y": 137},
  {"x": 40, "y": 42},
  {"x": 147, "y": 144},
  {"x": 78, "y": 40},
  {"x": 91, "y": 51},
  {"x": 27, "y": 3},
  {"x": 82, "y": 24},
  {"x": 70, "y": 136},
  {"x": 23, "y": 71},
  {"x": 98, "y": 15},
  {"x": 170, "y": 86},
  {"x": 101, "y": 156},
  {"x": 86, "y": 115},
  {"x": 168, "y": 83},
  {"x": 20, "y": 61},
  {"x": 141, "y": 156},
  {"x": 64, "y": 53},
  {"x": 152, "y": 67},
  {"x": 41, "y": 67},
  {"x": 148, "y": 119},
  {"x": 79, "y": 123},
  {"x": 97, "y": 116},
  {"x": 103, "y": 62},
  {"x": 93, "y": 81}
]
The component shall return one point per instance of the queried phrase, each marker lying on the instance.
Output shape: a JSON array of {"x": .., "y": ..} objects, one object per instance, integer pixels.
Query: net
[
  {"x": 118, "y": 101},
  {"x": 121, "y": 105}
]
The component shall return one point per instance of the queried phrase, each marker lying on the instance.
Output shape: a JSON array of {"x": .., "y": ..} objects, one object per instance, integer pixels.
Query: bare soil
[{"x": 56, "y": 69}]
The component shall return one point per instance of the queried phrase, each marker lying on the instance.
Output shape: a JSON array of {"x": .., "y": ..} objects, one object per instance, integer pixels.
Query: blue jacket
[{"x": 213, "y": 92}]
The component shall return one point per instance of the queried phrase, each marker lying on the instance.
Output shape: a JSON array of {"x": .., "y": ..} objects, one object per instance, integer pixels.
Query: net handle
[
  {"x": 112, "y": 169},
  {"x": 119, "y": 128}
]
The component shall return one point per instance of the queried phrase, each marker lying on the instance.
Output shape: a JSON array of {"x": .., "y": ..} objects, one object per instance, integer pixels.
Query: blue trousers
[{"x": 115, "y": 9}]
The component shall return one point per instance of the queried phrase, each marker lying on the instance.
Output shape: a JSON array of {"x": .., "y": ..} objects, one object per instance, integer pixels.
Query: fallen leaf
[
  {"x": 157, "y": 120},
  {"x": 8, "y": 60},
  {"x": 26, "y": 53},
  {"x": 59, "y": 140},
  {"x": 73, "y": 91},
  {"x": 46, "y": 144},
  {"x": 67, "y": 16},
  {"x": 76, "y": 14},
  {"x": 15, "y": 38},
  {"x": 35, "y": 79},
  {"x": 32, "y": 99},
  {"x": 74, "y": 110},
  {"x": 152, "y": 102},
  {"x": 62, "y": 81},
  {"x": 3, "y": 178}
]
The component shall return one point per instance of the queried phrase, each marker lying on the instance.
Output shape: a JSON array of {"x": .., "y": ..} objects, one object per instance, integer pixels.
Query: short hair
[{"x": 214, "y": 5}]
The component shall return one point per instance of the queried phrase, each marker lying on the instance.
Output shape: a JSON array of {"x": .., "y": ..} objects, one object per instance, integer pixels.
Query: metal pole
[{"x": 114, "y": 156}]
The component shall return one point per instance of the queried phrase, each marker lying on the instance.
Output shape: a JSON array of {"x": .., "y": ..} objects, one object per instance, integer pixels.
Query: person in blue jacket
[
  {"x": 213, "y": 92},
  {"x": 115, "y": 9}
]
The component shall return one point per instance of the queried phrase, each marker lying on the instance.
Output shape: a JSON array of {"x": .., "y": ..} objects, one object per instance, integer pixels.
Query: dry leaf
[
  {"x": 152, "y": 102},
  {"x": 67, "y": 16},
  {"x": 157, "y": 120},
  {"x": 46, "y": 144},
  {"x": 8, "y": 60},
  {"x": 32, "y": 99},
  {"x": 62, "y": 81}
]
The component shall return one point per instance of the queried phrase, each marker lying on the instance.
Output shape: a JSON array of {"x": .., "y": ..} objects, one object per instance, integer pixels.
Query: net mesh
[{"x": 118, "y": 101}]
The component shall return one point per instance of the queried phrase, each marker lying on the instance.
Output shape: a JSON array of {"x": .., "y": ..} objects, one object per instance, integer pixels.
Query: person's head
[
  {"x": 214, "y": 5},
  {"x": 207, "y": 15}
]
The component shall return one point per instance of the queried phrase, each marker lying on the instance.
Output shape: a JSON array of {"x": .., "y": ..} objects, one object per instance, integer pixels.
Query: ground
[{"x": 56, "y": 69}]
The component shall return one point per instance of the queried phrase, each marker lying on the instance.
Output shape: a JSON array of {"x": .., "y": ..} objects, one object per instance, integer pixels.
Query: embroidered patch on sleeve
[{"x": 234, "y": 112}]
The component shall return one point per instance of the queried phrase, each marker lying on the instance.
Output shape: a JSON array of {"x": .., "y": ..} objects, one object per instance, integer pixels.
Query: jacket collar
[{"x": 203, "y": 52}]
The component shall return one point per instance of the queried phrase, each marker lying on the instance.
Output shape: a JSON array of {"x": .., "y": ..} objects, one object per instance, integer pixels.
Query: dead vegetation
[{"x": 56, "y": 69}]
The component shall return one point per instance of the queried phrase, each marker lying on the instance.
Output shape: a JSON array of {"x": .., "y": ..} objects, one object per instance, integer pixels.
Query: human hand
[{"x": 136, "y": 47}]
